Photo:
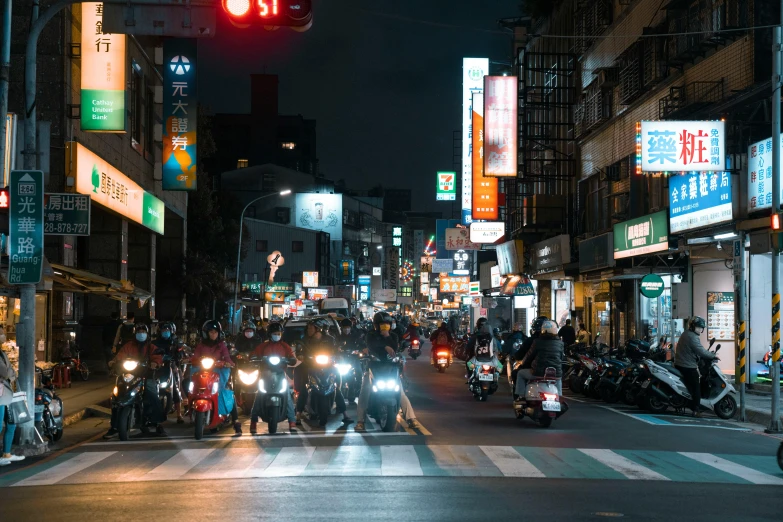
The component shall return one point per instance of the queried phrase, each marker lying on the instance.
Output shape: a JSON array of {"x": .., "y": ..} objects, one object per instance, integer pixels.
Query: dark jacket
[
  {"x": 245, "y": 345},
  {"x": 567, "y": 334},
  {"x": 350, "y": 342},
  {"x": 163, "y": 347},
  {"x": 377, "y": 344},
  {"x": 508, "y": 344},
  {"x": 527, "y": 344},
  {"x": 475, "y": 340},
  {"x": 689, "y": 351},
  {"x": 546, "y": 352}
]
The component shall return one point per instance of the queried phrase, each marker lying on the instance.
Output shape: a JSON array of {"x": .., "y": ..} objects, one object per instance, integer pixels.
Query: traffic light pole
[
  {"x": 5, "y": 72},
  {"x": 774, "y": 371}
]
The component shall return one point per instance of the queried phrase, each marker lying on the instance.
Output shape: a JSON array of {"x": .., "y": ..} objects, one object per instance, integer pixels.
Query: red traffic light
[
  {"x": 5, "y": 199},
  {"x": 775, "y": 222},
  {"x": 270, "y": 13},
  {"x": 237, "y": 7}
]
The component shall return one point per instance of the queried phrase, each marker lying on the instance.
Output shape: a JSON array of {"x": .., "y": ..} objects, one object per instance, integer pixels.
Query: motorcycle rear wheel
[
  {"x": 199, "y": 421},
  {"x": 608, "y": 396},
  {"x": 654, "y": 404},
  {"x": 629, "y": 397},
  {"x": 575, "y": 384},
  {"x": 483, "y": 396},
  {"x": 125, "y": 422},
  {"x": 726, "y": 407},
  {"x": 545, "y": 422},
  {"x": 441, "y": 369},
  {"x": 84, "y": 372}
]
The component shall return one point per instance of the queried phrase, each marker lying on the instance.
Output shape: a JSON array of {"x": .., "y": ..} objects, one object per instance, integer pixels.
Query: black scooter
[
  {"x": 385, "y": 397},
  {"x": 48, "y": 409},
  {"x": 128, "y": 397},
  {"x": 272, "y": 390},
  {"x": 322, "y": 382}
]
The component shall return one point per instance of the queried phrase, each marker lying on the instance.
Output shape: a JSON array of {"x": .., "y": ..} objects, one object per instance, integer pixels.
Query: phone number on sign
[{"x": 65, "y": 228}]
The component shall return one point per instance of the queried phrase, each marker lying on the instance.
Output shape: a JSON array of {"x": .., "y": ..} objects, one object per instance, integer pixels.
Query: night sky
[{"x": 381, "y": 78}]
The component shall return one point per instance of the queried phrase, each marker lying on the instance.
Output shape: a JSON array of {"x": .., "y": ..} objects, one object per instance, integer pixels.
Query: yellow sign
[
  {"x": 111, "y": 188},
  {"x": 103, "y": 74}
]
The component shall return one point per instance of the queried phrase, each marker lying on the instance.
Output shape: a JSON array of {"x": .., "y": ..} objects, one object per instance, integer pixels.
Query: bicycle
[{"x": 77, "y": 365}]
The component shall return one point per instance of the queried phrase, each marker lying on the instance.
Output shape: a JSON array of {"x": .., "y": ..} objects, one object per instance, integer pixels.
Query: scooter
[
  {"x": 385, "y": 384},
  {"x": 166, "y": 384},
  {"x": 543, "y": 403},
  {"x": 349, "y": 366},
  {"x": 415, "y": 349},
  {"x": 48, "y": 411},
  {"x": 273, "y": 392},
  {"x": 204, "y": 397},
  {"x": 442, "y": 359},
  {"x": 247, "y": 370},
  {"x": 483, "y": 380},
  {"x": 665, "y": 388},
  {"x": 127, "y": 397},
  {"x": 322, "y": 381}
]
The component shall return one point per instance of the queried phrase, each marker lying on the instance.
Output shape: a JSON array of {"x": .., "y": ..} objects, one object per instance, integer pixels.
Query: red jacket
[
  {"x": 218, "y": 351},
  {"x": 133, "y": 350},
  {"x": 279, "y": 348}
]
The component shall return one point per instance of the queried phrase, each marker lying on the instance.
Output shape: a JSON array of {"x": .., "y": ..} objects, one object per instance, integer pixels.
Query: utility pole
[
  {"x": 774, "y": 423},
  {"x": 742, "y": 354},
  {"x": 5, "y": 72}
]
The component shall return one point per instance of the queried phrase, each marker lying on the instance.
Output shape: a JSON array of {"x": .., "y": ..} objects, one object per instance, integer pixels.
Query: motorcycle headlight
[
  {"x": 129, "y": 365},
  {"x": 274, "y": 360},
  {"x": 214, "y": 388},
  {"x": 115, "y": 391},
  {"x": 128, "y": 377},
  {"x": 164, "y": 384},
  {"x": 248, "y": 378},
  {"x": 390, "y": 384},
  {"x": 322, "y": 359},
  {"x": 190, "y": 387},
  {"x": 56, "y": 407},
  {"x": 261, "y": 387},
  {"x": 207, "y": 363},
  {"x": 381, "y": 385},
  {"x": 343, "y": 368}
]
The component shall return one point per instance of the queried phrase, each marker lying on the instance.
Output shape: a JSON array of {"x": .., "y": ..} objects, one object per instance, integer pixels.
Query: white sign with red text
[{"x": 683, "y": 146}]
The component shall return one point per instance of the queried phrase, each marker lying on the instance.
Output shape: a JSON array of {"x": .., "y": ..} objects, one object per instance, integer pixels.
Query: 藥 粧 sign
[
  {"x": 682, "y": 146},
  {"x": 699, "y": 200},
  {"x": 760, "y": 175},
  {"x": 643, "y": 235}
]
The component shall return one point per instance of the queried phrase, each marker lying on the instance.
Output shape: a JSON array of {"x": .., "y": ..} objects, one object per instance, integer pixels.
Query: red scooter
[{"x": 204, "y": 394}]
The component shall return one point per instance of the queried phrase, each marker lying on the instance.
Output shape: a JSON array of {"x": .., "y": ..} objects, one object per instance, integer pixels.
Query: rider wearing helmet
[
  {"x": 248, "y": 338},
  {"x": 350, "y": 338},
  {"x": 140, "y": 349},
  {"x": 535, "y": 332},
  {"x": 441, "y": 339},
  {"x": 517, "y": 336},
  {"x": 686, "y": 359},
  {"x": 212, "y": 345},
  {"x": 167, "y": 345},
  {"x": 546, "y": 352},
  {"x": 274, "y": 346},
  {"x": 479, "y": 334}
]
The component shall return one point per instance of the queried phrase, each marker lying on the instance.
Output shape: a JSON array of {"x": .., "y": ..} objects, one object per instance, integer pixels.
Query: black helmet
[
  {"x": 211, "y": 325},
  {"x": 537, "y": 322},
  {"x": 346, "y": 323},
  {"x": 697, "y": 322},
  {"x": 274, "y": 327},
  {"x": 480, "y": 322},
  {"x": 168, "y": 325},
  {"x": 248, "y": 325},
  {"x": 141, "y": 327}
]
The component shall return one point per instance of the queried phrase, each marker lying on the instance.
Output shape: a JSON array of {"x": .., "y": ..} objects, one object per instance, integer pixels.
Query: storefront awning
[{"x": 67, "y": 279}]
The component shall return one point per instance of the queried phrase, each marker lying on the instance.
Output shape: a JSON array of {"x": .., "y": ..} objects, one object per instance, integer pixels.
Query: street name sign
[{"x": 26, "y": 227}]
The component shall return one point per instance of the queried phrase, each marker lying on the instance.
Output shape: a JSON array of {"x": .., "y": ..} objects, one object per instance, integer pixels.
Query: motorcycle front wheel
[
  {"x": 125, "y": 422},
  {"x": 199, "y": 420},
  {"x": 84, "y": 372},
  {"x": 323, "y": 408},
  {"x": 273, "y": 420},
  {"x": 387, "y": 418}
]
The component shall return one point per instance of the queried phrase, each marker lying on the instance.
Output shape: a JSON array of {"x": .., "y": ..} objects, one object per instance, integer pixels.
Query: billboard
[
  {"x": 111, "y": 188},
  {"x": 487, "y": 232},
  {"x": 345, "y": 271},
  {"x": 459, "y": 239},
  {"x": 680, "y": 146},
  {"x": 103, "y": 74},
  {"x": 440, "y": 236},
  {"x": 760, "y": 175},
  {"x": 500, "y": 126},
  {"x": 458, "y": 284},
  {"x": 393, "y": 267},
  {"x": 642, "y": 235},
  {"x": 309, "y": 279},
  {"x": 473, "y": 72},
  {"x": 699, "y": 200},
  {"x": 485, "y": 190},
  {"x": 447, "y": 186},
  {"x": 321, "y": 212},
  {"x": 180, "y": 99}
]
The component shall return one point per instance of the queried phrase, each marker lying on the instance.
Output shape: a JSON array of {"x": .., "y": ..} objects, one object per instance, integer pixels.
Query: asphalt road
[{"x": 469, "y": 460}]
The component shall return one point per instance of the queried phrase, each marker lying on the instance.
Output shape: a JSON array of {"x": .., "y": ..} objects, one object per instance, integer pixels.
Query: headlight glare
[
  {"x": 261, "y": 386},
  {"x": 190, "y": 387},
  {"x": 207, "y": 363},
  {"x": 321, "y": 359},
  {"x": 274, "y": 360},
  {"x": 343, "y": 368},
  {"x": 129, "y": 365},
  {"x": 248, "y": 378},
  {"x": 214, "y": 388}
]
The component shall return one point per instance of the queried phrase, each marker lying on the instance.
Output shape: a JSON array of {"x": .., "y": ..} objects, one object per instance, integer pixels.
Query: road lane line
[
  {"x": 178, "y": 465},
  {"x": 65, "y": 469},
  {"x": 290, "y": 462},
  {"x": 629, "y": 415},
  {"x": 627, "y": 467},
  {"x": 738, "y": 470},
  {"x": 510, "y": 462},
  {"x": 400, "y": 461}
]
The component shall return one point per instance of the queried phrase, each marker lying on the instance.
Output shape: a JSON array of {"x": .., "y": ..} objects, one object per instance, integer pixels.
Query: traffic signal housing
[
  {"x": 775, "y": 222},
  {"x": 297, "y": 14}
]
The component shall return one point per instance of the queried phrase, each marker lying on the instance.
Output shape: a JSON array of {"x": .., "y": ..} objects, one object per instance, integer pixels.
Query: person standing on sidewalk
[{"x": 7, "y": 376}]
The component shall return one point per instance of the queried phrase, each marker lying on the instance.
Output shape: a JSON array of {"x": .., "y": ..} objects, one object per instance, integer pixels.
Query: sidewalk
[
  {"x": 758, "y": 406},
  {"x": 83, "y": 395}
]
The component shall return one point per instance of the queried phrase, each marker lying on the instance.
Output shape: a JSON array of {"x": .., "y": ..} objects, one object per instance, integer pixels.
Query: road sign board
[
  {"x": 26, "y": 224},
  {"x": 67, "y": 215}
]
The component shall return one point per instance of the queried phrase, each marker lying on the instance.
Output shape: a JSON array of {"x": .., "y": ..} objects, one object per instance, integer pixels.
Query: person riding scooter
[
  {"x": 167, "y": 344},
  {"x": 546, "y": 352},
  {"x": 535, "y": 332},
  {"x": 248, "y": 339},
  {"x": 686, "y": 359},
  {"x": 441, "y": 339},
  {"x": 350, "y": 338},
  {"x": 274, "y": 346},
  {"x": 484, "y": 349},
  {"x": 140, "y": 349},
  {"x": 212, "y": 345}
]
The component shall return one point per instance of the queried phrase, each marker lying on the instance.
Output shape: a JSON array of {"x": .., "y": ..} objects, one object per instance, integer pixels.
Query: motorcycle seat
[{"x": 671, "y": 369}]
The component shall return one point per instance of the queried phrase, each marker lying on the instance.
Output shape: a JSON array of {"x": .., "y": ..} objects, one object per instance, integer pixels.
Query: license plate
[
  {"x": 442, "y": 361},
  {"x": 39, "y": 408},
  {"x": 486, "y": 377},
  {"x": 645, "y": 385},
  {"x": 620, "y": 380},
  {"x": 551, "y": 405}
]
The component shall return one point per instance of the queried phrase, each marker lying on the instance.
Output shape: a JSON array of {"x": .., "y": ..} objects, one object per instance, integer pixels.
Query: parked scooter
[
  {"x": 543, "y": 403},
  {"x": 384, "y": 402},
  {"x": 48, "y": 410},
  {"x": 204, "y": 397}
]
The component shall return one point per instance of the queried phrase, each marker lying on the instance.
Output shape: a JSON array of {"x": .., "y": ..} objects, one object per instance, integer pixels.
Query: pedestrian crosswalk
[{"x": 93, "y": 467}]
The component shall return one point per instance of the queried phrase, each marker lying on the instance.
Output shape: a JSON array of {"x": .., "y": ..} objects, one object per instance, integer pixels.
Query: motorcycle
[
  {"x": 349, "y": 366},
  {"x": 665, "y": 388},
  {"x": 415, "y": 348},
  {"x": 484, "y": 378},
  {"x": 127, "y": 398},
  {"x": 244, "y": 384},
  {"x": 48, "y": 411},
  {"x": 542, "y": 403},
  {"x": 385, "y": 384},
  {"x": 322, "y": 382},
  {"x": 442, "y": 359},
  {"x": 273, "y": 392},
  {"x": 166, "y": 384},
  {"x": 204, "y": 397}
]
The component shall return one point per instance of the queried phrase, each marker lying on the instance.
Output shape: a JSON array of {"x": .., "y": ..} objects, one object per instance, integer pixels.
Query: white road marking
[
  {"x": 628, "y": 415},
  {"x": 178, "y": 465},
  {"x": 290, "y": 462},
  {"x": 510, "y": 462},
  {"x": 738, "y": 470},
  {"x": 400, "y": 461},
  {"x": 65, "y": 469},
  {"x": 623, "y": 465}
]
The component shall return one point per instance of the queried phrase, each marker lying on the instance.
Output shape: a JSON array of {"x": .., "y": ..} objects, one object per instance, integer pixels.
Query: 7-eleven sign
[{"x": 447, "y": 186}]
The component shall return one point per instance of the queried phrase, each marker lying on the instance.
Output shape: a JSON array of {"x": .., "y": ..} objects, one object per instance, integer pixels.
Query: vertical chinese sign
[
  {"x": 681, "y": 146},
  {"x": 26, "y": 227},
  {"x": 500, "y": 126},
  {"x": 473, "y": 72},
  {"x": 103, "y": 74},
  {"x": 180, "y": 99},
  {"x": 485, "y": 190},
  {"x": 760, "y": 175}
]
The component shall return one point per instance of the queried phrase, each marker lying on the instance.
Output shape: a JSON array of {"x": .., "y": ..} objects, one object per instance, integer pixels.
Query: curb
[
  {"x": 94, "y": 410},
  {"x": 758, "y": 416}
]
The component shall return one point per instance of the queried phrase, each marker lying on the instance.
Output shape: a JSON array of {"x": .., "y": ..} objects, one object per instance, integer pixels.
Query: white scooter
[
  {"x": 543, "y": 403},
  {"x": 665, "y": 388}
]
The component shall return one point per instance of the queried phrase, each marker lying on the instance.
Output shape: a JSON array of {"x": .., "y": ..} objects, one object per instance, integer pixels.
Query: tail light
[
  {"x": 485, "y": 367},
  {"x": 443, "y": 354},
  {"x": 415, "y": 341},
  {"x": 548, "y": 396}
]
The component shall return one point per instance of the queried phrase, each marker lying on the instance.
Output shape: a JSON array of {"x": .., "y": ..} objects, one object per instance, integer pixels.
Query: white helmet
[{"x": 549, "y": 327}]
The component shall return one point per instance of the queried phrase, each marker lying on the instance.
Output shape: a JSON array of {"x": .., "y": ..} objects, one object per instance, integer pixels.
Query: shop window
[
  {"x": 261, "y": 245},
  {"x": 242, "y": 163},
  {"x": 288, "y": 145},
  {"x": 136, "y": 106},
  {"x": 297, "y": 246}
]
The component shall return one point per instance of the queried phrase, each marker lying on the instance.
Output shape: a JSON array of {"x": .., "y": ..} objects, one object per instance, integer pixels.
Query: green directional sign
[{"x": 26, "y": 227}]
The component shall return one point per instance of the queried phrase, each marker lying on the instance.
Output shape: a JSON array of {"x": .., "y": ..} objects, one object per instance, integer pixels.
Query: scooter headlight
[
  {"x": 390, "y": 384},
  {"x": 214, "y": 388},
  {"x": 248, "y": 378},
  {"x": 115, "y": 391},
  {"x": 322, "y": 359},
  {"x": 129, "y": 365},
  {"x": 261, "y": 387},
  {"x": 381, "y": 385},
  {"x": 343, "y": 368},
  {"x": 164, "y": 384},
  {"x": 128, "y": 377},
  {"x": 207, "y": 363},
  {"x": 274, "y": 360}
]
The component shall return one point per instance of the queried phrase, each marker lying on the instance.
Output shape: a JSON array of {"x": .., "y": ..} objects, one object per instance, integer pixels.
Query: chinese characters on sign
[
  {"x": 500, "y": 126},
  {"x": 393, "y": 267},
  {"x": 458, "y": 239},
  {"x": 487, "y": 232},
  {"x": 699, "y": 200},
  {"x": 682, "y": 146},
  {"x": 760, "y": 175},
  {"x": 25, "y": 226},
  {"x": 462, "y": 263},
  {"x": 309, "y": 279},
  {"x": 103, "y": 74},
  {"x": 66, "y": 214},
  {"x": 180, "y": 99},
  {"x": 447, "y": 186},
  {"x": 473, "y": 71},
  {"x": 485, "y": 190},
  {"x": 642, "y": 235},
  {"x": 457, "y": 285}
]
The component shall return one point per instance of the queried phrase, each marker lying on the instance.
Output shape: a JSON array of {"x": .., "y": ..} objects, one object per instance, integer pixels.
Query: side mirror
[
  {"x": 712, "y": 341},
  {"x": 717, "y": 348}
]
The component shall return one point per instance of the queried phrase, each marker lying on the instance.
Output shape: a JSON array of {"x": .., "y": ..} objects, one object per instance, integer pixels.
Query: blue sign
[
  {"x": 699, "y": 199},
  {"x": 440, "y": 237},
  {"x": 364, "y": 287}
]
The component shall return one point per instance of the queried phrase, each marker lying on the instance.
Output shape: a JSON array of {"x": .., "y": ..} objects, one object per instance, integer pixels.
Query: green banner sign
[
  {"x": 66, "y": 215},
  {"x": 643, "y": 235},
  {"x": 154, "y": 211},
  {"x": 651, "y": 286},
  {"x": 26, "y": 227}
]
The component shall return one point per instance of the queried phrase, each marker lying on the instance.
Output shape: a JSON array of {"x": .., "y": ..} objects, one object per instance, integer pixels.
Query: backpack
[
  {"x": 442, "y": 339},
  {"x": 483, "y": 346}
]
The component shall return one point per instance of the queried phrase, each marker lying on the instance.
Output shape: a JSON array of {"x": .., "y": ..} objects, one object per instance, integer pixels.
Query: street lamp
[{"x": 239, "y": 255}]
